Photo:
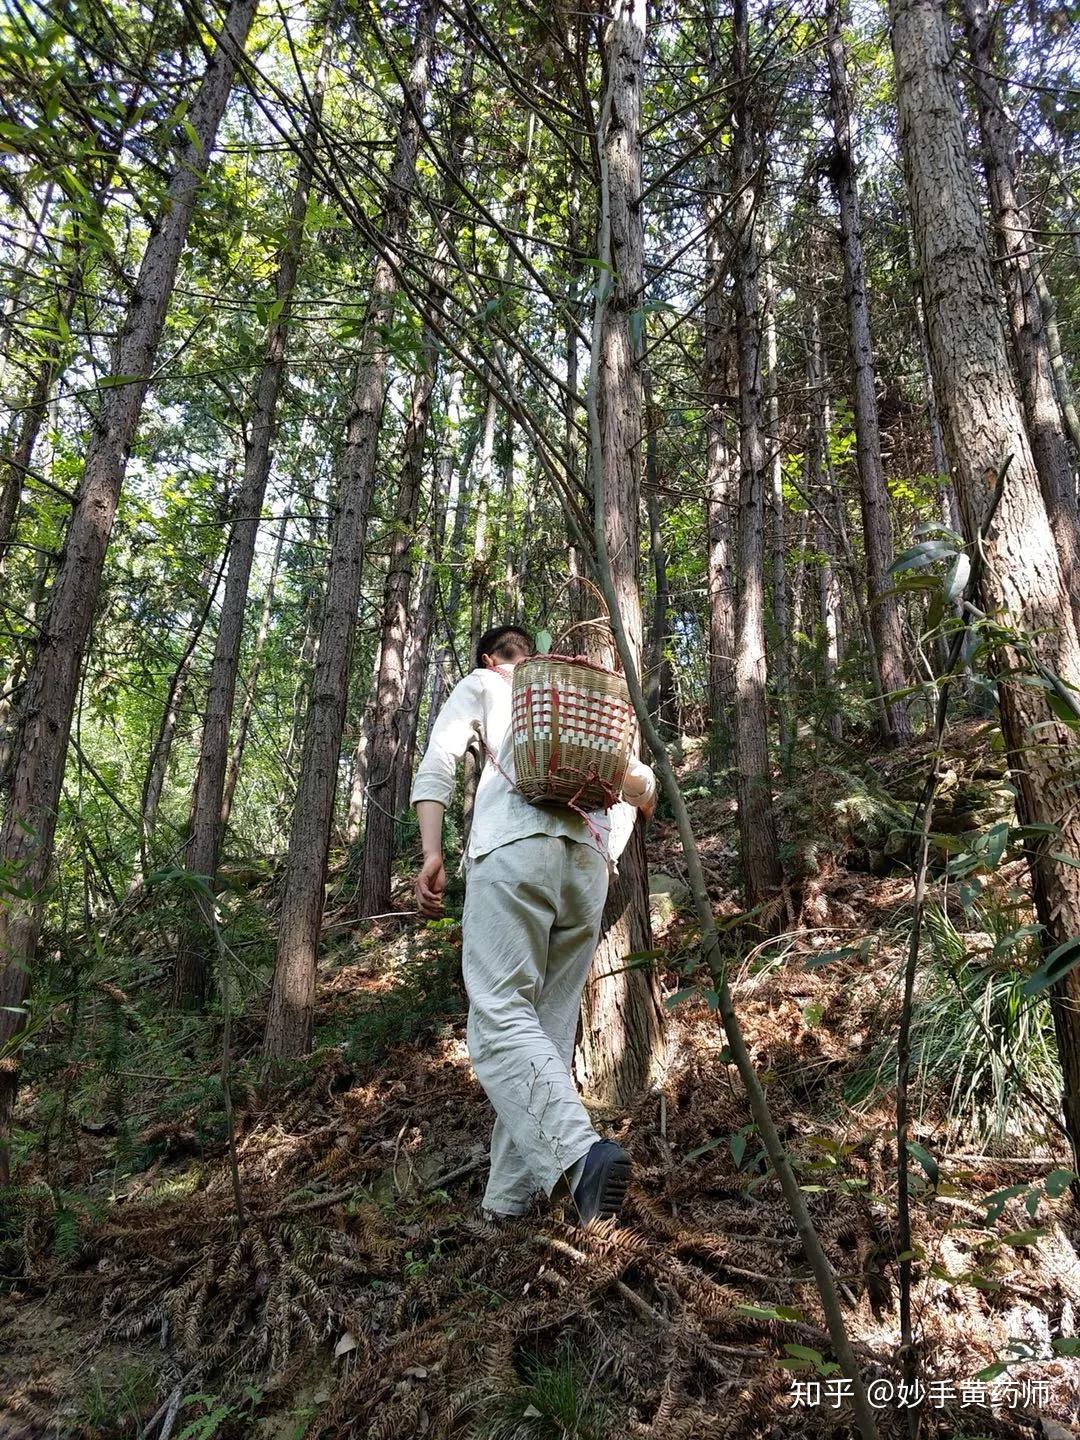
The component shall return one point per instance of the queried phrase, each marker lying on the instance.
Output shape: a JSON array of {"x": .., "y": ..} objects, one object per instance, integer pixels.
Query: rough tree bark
[
  {"x": 292, "y": 998},
  {"x": 758, "y": 850},
  {"x": 207, "y": 821},
  {"x": 26, "y": 841},
  {"x": 983, "y": 421},
  {"x": 873, "y": 492},
  {"x": 1009, "y": 207},
  {"x": 622, "y": 1017}
]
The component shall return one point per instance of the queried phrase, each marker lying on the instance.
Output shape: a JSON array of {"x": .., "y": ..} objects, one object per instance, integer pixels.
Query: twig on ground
[{"x": 458, "y": 1174}]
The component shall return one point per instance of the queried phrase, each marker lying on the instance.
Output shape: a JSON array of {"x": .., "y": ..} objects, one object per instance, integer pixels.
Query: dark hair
[{"x": 503, "y": 642}]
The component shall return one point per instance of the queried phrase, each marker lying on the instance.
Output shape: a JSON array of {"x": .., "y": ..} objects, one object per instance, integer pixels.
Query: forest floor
[{"x": 365, "y": 1297}]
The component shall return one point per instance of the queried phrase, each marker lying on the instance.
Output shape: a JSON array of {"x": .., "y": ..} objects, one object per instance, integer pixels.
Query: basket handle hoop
[{"x": 600, "y": 622}]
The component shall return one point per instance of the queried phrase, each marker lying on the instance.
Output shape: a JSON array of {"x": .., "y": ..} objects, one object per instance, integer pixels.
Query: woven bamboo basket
[{"x": 573, "y": 727}]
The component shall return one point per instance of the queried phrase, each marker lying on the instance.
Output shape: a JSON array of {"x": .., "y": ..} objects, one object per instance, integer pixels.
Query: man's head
[{"x": 504, "y": 645}]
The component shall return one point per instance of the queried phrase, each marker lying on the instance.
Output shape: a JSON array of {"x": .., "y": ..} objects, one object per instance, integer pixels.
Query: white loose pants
[{"x": 532, "y": 917}]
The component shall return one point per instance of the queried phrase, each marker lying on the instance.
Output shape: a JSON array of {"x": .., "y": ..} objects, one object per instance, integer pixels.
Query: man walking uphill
[{"x": 536, "y": 882}]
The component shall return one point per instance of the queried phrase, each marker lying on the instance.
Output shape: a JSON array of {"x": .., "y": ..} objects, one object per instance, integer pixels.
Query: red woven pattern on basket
[{"x": 584, "y": 717}]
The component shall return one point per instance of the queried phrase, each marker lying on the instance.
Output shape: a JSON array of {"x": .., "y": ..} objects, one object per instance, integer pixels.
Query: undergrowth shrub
[
  {"x": 427, "y": 989},
  {"x": 983, "y": 1053}
]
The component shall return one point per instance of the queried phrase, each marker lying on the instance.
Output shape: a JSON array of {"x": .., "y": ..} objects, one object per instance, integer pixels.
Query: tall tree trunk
[
  {"x": 829, "y": 608},
  {"x": 385, "y": 744},
  {"x": 207, "y": 819},
  {"x": 161, "y": 751},
  {"x": 873, "y": 493},
  {"x": 385, "y": 739},
  {"x": 304, "y": 670},
  {"x": 480, "y": 573},
  {"x": 10, "y": 698},
  {"x": 416, "y": 668},
  {"x": 422, "y": 621},
  {"x": 288, "y": 1023},
  {"x": 622, "y": 1029},
  {"x": 16, "y": 284},
  {"x": 357, "y": 807},
  {"x": 1066, "y": 399},
  {"x": 1009, "y": 207},
  {"x": 984, "y": 424},
  {"x": 757, "y": 825},
  {"x": 236, "y": 754},
  {"x": 721, "y": 473},
  {"x": 821, "y": 480},
  {"x": 17, "y": 461},
  {"x": 659, "y": 680},
  {"x": 776, "y": 502},
  {"x": 26, "y": 841}
]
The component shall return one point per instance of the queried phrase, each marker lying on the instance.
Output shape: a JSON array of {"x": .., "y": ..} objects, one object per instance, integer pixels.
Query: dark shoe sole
[
  {"x": 613, "y": 1195},
  {"x": 613, "y": 1186}
]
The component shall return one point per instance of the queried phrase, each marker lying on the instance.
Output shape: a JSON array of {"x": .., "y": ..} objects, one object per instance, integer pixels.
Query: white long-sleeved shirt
[{"x": 480, "y": 704}]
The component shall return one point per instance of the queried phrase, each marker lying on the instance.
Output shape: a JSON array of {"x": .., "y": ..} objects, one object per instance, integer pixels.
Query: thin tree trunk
[
  {"x": 721, "y": 482},
  {"x": 26, "y": 841},
  {"x": 17, "y": 463},
  {"x": 984, "y": 425},
  {"x": 158, "y": 767},
  {"x": 207, "y": 817},
  {"x": 17, "y": 284},
  {"x": 384, "y": 742},
  {"x": 236, "y": 755},
  {"x": 9, "y": 695},
  {"x": 289, "y": 1020},
  {"x": 757, "y": 825},
  {"x": 829, "y": 608},
  {"x": 821, "y": 477},
  {"x": 385, "y": 747},
  {"x": 422, "y": 622},
  {"x": 1065, "y": 395},
  {"x": 357, "y": 808},
  {"x": 622, "y": 1027},
  {"x": 721, "y": 469},
  {"x": 1009, "y": 207},
  {"x": 776, "y": 502},
  {"x": 480, "y": 574},
  {"x": 873, "y": 492},
  {"x": 659, "y": 681},
  {"x": 304, "y": 670}
]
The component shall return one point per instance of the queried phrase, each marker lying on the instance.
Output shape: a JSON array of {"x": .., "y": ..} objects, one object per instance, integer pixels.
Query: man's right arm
[{"x": 433, "y": 786}]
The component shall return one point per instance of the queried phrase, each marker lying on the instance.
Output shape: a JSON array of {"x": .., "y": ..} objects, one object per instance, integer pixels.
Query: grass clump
[
  {"x": 983, "y": 1051},
  {"x": 555, "y": 1400}
]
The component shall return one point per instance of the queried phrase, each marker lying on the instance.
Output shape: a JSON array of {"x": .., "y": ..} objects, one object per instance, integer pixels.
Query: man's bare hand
[
  {"x": 430, "y": 885},
  {"x": 649, "y": 808}
]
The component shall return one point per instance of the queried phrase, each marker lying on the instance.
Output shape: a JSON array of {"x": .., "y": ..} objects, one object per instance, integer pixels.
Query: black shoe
[{"x": 600, "y": 1192}]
